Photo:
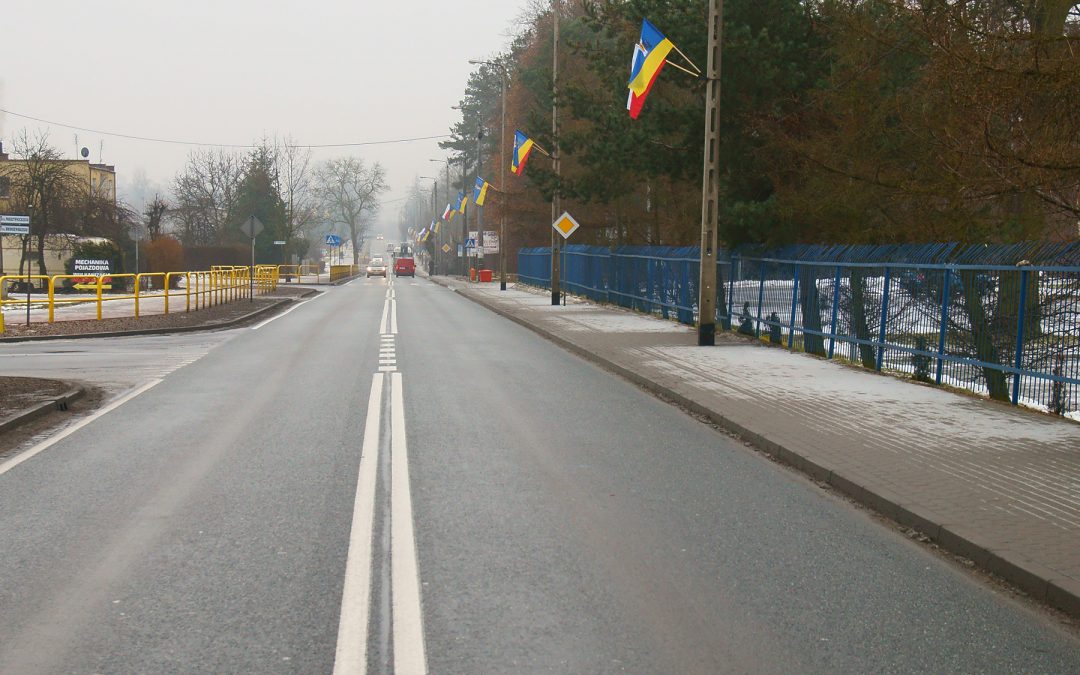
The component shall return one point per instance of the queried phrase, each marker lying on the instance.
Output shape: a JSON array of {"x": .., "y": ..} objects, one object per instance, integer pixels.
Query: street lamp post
[
  {"x": 434, "y": 215},
  {"x": 446, "y": 167},
  {"x": 502, "y": 173},
  {"x": 478, "y": 249}
]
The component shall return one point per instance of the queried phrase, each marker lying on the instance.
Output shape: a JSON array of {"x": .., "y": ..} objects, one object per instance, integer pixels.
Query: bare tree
[
  {"x": 155, "y": 216},
  {"x": 298, "y": 190},
  {"x": 205, "y": 192},
  {"x": 42, "y": 185},
  {"x": 349, "y": 193}
]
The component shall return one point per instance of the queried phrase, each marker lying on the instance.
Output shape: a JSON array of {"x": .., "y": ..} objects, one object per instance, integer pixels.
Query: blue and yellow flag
[
  {"x": 523, "y": 145},
  {"x": 462, "y": 200},
  {"x": 435, "y": 225},
  {"x": 480, "y": 191},
  {"x": 644, "y": 71}
]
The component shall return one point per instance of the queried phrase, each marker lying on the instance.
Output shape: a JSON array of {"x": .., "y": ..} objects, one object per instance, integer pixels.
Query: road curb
[
  {"x": 161, "y": 331},
  {"x": 1043, "y": 585},
  {"x": 55, "y": 403}
]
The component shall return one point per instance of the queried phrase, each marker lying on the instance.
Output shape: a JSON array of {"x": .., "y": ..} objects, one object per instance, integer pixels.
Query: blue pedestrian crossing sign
[{"x": 333, "y": 240}]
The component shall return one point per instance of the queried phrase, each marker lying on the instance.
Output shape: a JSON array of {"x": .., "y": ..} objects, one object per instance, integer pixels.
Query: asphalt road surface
[{"x": 388, "y": 478}]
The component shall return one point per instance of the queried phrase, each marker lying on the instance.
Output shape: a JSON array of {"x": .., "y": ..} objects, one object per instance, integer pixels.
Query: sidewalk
[{"x": 990, "y": 482}]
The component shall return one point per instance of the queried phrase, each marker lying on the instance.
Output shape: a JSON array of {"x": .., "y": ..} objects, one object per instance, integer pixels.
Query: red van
[{"x": 404, "y": 267}]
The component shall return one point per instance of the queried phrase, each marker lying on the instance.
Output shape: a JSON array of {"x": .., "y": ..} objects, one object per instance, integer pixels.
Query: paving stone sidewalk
[{"x": 993, "y": 483}]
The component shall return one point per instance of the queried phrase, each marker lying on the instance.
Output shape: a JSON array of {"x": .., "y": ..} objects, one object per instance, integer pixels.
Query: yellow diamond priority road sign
[
  {"x": 446, "y": 248},
  {"x": 566, "y": 225}
]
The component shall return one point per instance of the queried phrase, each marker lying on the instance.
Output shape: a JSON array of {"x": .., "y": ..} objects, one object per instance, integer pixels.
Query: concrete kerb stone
[
  {"x": 55, "y": 403},
  {"x": 1043, "y": 585},
  {"x": 160, "y": 331}
]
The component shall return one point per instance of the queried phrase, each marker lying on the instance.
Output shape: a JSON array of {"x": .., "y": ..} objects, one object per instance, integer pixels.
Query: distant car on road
[{"x": 376, "y": 267}]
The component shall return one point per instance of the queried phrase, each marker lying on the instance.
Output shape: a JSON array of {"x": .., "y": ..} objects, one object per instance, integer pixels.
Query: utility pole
[
  {"x": 502, "y": 187},
  {"x": 464, "y": 217},
  {"x": 434, "y": 197},
  {"x": 555, "y": 292},
  {"x": 707, "y": 286}
]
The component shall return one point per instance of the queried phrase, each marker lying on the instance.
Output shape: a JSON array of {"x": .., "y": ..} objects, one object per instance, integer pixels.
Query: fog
[{"x": 235, "y": 71}]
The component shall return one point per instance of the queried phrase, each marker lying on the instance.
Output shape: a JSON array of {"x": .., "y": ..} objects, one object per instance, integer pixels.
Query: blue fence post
[
  {"x": 760, "y": 300},
  {"x": 684, "y": 295},
  {"x": 945, "y": 298},
  {"x": 884, "y": 320},
  {"x": 1020, "y": 337},
  {"x": 794, "y": 303},
  {"x": 835, "y": 310},
  {"x": 610, "y": 276},
  {"x": 731, "y": 292}
]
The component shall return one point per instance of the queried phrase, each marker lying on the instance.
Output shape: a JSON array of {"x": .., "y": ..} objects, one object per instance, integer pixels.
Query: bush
[{"x": 164, "y": 254}]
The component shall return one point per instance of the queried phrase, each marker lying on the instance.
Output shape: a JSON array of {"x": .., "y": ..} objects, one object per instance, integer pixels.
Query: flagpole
[
  {"x": 692, "y": 64},
  {"x": 707, "y": 286},
  {"x": 555, "y": 270},
  {"x": 685, "y": 70}
]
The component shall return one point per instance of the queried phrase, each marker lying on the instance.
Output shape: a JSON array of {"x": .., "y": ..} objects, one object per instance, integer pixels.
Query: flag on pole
[
  {"x": 480, "y": 191},
  {"x": 462, "y": 200},
  {"x": 656, "y": 48},
  {"x": 523, "y": 145},
  {"x": 448, "y": 213},
  {"x": 435, "y": 225},
  {"x": 426, "y": 235}
]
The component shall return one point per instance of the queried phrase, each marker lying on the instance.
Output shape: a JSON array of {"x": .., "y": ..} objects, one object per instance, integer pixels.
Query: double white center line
[{"x": 407, "y": 620}]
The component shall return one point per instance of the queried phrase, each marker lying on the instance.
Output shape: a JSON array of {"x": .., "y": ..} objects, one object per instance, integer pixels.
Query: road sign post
[
  {"x": 251, "y": 227},
  {"x": 26, "y": 258},
  {"x": 12, "y": 224}
]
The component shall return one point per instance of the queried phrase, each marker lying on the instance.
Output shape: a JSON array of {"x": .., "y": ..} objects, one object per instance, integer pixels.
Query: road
[{"x": 390, "y": 478}]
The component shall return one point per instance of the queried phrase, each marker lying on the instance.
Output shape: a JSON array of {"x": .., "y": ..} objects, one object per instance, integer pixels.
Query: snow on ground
[{"x": 920, "y": 413}]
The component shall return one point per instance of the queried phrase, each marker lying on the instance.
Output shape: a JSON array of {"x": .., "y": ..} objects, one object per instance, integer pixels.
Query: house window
[{"x": 5, "y": 187}]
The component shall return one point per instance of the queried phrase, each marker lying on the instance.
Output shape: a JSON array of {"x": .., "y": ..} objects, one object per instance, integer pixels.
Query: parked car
[
  {"x": 376, "y": 267},
  {"x": 404, "y": 267},
  {"x": 928, "y": 282}
]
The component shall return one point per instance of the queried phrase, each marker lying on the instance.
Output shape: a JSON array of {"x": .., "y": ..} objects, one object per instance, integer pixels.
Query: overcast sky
[{"x": 230, "y": 71}]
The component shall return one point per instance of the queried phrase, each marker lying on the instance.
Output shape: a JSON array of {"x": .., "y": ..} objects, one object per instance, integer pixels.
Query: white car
[{"x": 376, "y": 267}]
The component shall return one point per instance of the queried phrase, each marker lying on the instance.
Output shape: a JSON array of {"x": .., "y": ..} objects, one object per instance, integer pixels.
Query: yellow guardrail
[
  {"x": 338, "y": 272},
  {"x": 201, "y": 289},
  {"x": 294, "y": 273}
]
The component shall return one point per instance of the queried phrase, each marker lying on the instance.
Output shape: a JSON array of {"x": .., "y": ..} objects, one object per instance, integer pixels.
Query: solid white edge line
[
  {"x": 393, "y": 317},
  {"x": 351, "y": 653},
  {"x": 44, "y": 445},
  {"x": 291, "y": 309},
  {"x": 409, "y": 656}
]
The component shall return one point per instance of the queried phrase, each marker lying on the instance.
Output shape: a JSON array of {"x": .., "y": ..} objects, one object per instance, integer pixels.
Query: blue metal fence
[{"x": 941, "y": 313}]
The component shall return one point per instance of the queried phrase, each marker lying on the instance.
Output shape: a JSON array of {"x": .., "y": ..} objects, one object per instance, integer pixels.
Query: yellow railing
[
  {"x": 201, "y": 289},
  {"x": 338, "y": 272},
  {"x": 293, "y": 273}
]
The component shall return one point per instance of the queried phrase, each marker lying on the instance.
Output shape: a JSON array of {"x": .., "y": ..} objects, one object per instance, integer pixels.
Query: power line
[{"x": 220, "y": 145}]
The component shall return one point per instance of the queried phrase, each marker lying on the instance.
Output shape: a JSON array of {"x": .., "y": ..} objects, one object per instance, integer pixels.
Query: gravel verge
[{"x": 208, "y": 317}]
